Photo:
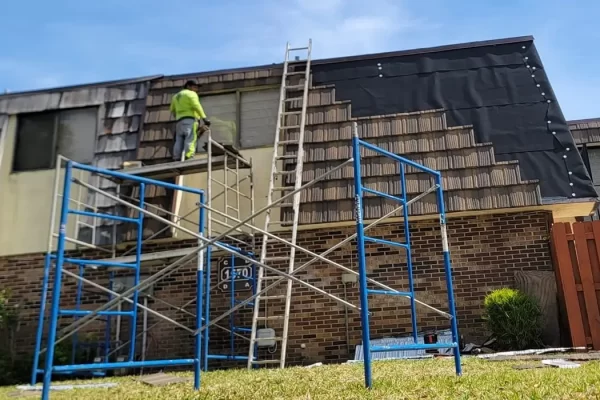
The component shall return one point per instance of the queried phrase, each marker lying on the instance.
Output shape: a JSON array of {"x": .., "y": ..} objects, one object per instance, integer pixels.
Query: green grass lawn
[{"x": 418, "y": 379}]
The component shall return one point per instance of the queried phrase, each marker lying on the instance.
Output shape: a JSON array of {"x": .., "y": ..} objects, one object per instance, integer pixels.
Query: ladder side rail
[
  {"x": 296, "y": 206},
  {"x": 263, "y": 251}
]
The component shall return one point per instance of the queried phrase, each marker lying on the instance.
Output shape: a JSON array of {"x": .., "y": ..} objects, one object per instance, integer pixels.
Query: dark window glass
[
  {"x": 42, "y": 136},
  {"x": 35, "y": 142}
]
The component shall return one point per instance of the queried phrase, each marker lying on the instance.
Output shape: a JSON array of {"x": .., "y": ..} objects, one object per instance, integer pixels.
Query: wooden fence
[{"x": 576, "y": 254}]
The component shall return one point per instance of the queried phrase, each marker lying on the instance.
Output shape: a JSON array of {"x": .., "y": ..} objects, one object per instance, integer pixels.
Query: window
[
  {"x": 259, "y": 117},
  {"x": 591, "y": 159},
  {"x": 246, "y": 121},
  {"x": 593, "y": 165},
  {"x": 221, "y": 110},
  {"x": 42, "y": 136}
]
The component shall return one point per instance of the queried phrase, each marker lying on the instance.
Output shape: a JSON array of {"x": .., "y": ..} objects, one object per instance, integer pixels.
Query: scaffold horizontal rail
[
  {"x": 389, "y": 292},
  {"x": 387, "y": 196},
  {"x": 386, "y": 242},
  {"x": 403, "y": 347},
  {"x": 98, "y": 263},
  {"x": 177, "y": 168},
  {"x": 75, "y": 313},
  {"x": 125, "y": 364}
]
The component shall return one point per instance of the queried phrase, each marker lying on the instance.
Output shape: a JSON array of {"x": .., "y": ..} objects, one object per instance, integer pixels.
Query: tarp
[{"x": 501, "y": 90}]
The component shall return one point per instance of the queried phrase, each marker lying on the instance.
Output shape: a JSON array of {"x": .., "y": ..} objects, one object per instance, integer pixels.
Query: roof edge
[
  {"x": 82, "y": 86},
  {"x": 583, "y": 121},
  {"x": 568, "y": 200},
  {"x": 427, "y": 50},
  {"x": 398, "y": 53}
]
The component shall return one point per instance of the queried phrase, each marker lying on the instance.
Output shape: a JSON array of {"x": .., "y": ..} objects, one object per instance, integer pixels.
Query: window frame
[
  {"x": 238, "y": 109},
  {"x": 56, "y": 113}
]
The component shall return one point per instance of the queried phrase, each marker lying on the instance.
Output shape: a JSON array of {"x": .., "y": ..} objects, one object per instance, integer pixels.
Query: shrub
[
  {"x": 514, "y": 319},
  {"x": 11, "y": 370}
]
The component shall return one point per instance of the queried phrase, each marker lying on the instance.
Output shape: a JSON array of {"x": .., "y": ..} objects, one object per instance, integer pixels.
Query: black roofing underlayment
[{"x": 501, "y": 90}]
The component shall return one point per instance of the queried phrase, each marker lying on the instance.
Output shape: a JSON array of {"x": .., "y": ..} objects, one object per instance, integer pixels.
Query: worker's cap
[{"x": 190, "y": 83}]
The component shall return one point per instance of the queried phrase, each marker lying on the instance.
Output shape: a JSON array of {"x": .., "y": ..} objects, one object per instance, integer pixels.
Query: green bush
[
  {"x": 11, "y": 368},
  {"x": 514, "y": 319}
]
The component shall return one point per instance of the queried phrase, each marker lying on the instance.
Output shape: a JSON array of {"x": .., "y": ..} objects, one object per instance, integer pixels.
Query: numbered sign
[{"x": 242, "y": 269}]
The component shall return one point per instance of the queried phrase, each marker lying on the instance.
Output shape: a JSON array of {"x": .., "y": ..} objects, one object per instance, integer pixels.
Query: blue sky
[{"x": 63, "y": 42}]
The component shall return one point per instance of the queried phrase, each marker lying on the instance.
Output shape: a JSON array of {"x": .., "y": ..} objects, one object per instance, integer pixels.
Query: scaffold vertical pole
[
  {"x": 41, "y": 317},
  {"x": 45, "y": 280},
  {"x": 409, "y": 265},
  {"x": 231, "y": 305},
  {"x": 199, "y": 289},
  {"x": 208, "y": 201},
  {"x": 75, "y": 340},
  {"x": 362, "y": 262},
  {"x": 108, "y": 331},
  {"x": 138, "y": 267},
  {"x": 60, "y": 255},
  {"x": 448, "y": 272}
]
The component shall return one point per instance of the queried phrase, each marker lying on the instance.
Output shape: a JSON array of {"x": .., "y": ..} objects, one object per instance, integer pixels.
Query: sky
[{"x": 49, "y": 43}]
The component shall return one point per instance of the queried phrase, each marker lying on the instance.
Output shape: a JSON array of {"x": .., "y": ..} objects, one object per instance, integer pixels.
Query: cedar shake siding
[{"x": 585, "y": 130}]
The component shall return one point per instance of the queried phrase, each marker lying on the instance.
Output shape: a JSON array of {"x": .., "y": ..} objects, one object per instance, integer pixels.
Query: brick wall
[{"x": 485, "y": 252}]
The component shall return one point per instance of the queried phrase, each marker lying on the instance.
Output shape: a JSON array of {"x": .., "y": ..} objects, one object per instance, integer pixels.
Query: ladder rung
[
  {"x": 288, "y": 157},
  {"x": 293, "y": 171},
  {"x": 274, "y": 297},
  {"x": 270, "y": 318},
  {"x": 276, "y": 338},
  {"x": 296, "y": 73},
  {"x": 271, "y": 277},
  {"x": 284, "y": 258},
  {"x": 284, "y": 142},
  {"x": 294, "y": 87},
  {"x": 284, "y": 188},
  {"x": 290, "y": 127},
  {"x": 297, "y": 48},
  {"x": 291, "y": 113},
  {"x": 294, "y": 99},
  {"x": 266, "y": 361}
]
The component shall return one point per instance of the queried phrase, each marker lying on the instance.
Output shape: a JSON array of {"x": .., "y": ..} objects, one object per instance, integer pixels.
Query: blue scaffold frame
[
  {"x": 233, "y": 328},
  {"x": 58, "y": 260},
  {"x": 361, "y": 239}
]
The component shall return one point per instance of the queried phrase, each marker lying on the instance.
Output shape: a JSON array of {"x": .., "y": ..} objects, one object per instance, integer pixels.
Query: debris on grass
[
  {"x": 314, "y": 365},
  {"x": 532, "y": 351},
  {"x": 161, "y": 379},
  {"x": 530, "y": 366},
  {"x": 561, "y": 363}
]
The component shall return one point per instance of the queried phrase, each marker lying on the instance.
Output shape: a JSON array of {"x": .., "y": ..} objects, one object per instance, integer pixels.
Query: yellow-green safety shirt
[{"x": 187, "y": 104}]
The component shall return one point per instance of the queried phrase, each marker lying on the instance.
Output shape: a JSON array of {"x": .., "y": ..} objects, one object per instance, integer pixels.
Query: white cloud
[{"x": 337, "y": 28}]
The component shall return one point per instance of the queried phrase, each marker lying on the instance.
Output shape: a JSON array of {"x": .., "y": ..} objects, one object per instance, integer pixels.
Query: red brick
[{"x": 485, "y": 253}]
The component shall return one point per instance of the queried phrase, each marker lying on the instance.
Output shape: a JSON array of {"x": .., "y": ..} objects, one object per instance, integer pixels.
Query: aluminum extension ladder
[{"x": 287, "y": 99}]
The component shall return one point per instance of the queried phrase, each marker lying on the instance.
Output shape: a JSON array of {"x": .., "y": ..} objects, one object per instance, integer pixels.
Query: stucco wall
[
  {"x": 25, "y": 203},
  {"x": 261, "y": 161}
]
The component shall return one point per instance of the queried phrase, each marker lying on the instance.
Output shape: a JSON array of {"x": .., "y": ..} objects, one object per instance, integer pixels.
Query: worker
[{"x": 188, "y": 112}]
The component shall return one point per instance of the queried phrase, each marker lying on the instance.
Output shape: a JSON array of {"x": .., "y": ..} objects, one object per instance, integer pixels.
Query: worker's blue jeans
[{"x": 186, "y": 132}]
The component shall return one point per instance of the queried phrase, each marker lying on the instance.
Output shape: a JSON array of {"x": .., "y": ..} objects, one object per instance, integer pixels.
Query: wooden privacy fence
[{"x": 576, "y": 254}]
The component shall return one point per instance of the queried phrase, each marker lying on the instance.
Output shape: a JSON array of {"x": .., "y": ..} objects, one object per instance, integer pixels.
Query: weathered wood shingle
[{"x": 585, "y": 131}]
